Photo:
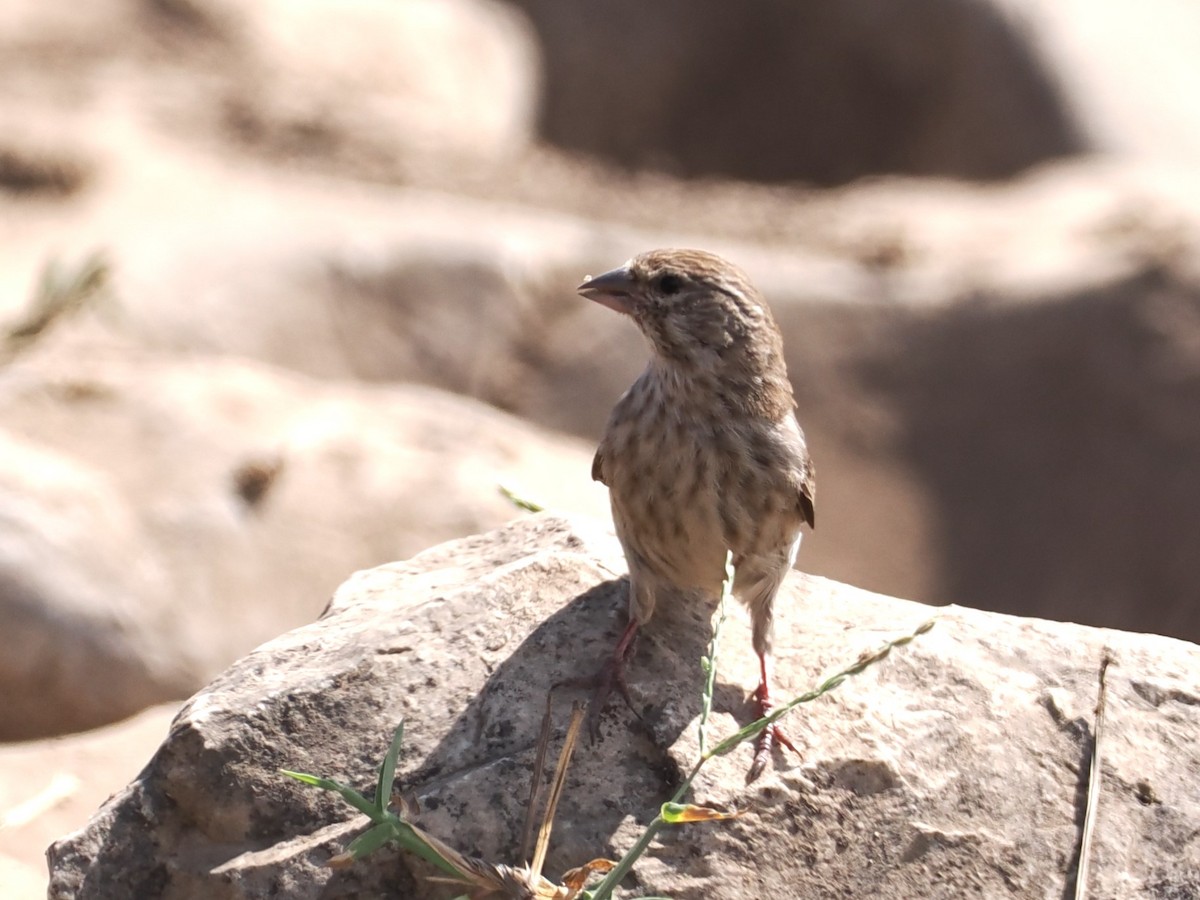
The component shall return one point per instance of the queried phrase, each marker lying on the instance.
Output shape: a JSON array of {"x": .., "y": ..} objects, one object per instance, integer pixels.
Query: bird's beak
[{"x": 612, "y": 289}]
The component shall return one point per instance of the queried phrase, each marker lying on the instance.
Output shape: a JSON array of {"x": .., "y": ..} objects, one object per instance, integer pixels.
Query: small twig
[
  {"x": 556, "y": 789},
  {"x": 1093, "y": 792},
  {"x": 535, "y": 783}
]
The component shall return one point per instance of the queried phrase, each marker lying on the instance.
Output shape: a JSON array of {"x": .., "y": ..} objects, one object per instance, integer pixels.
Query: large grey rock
[
  {"x": 160, "y": 517},
  {"x": 956, "y": 767}
]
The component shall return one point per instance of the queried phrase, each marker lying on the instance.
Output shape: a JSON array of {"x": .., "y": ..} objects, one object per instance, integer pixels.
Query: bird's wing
[
  {"x": 598, "y": 466},
  {"x": 808, "y": 491},
  {"x": 802, "y": 474}
]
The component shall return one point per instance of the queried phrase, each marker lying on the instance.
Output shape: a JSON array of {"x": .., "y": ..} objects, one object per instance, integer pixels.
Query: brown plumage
[{"x": 703, "y": 453}]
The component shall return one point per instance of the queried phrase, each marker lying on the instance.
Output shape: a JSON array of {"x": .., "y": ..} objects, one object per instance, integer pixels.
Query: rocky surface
[
  {"x": 958, "y": 766},
  {"x": 79, "y": 596},
  {"x": 162, "y": 516}
]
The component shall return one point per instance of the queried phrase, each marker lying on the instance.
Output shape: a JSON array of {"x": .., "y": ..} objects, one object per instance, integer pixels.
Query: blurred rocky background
[{"x": 287, "y": 290}]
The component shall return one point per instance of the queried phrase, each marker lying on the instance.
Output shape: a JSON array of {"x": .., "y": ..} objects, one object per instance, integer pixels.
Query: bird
[{"x": 702, "y": 454}]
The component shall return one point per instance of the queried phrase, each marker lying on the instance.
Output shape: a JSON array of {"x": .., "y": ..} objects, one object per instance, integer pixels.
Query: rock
[
  {"x": 353, "y": 82},
  {"x": 831, "y": 93},
  {"x": 164, "y": 516},
  {"x": 85, "y": 601},
  {"x": 1116, "y": 66},
  {"x": 957, "y": 766},
  {"x": 1048, "y": 401},
  {"x": 50, "y": 787},
  {"x": 365, "y": 87},
  {"x": 811, "y": 92}
]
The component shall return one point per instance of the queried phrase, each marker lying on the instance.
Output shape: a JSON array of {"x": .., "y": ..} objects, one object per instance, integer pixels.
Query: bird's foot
[
  {"x": 611, "y": 675},
  {"x": 767, "y": 738}
]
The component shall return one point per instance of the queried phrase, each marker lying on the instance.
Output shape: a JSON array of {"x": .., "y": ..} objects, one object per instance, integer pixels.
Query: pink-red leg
[
  {"x": 773, "y": 734},
  {"x": 611, "y": 674}
]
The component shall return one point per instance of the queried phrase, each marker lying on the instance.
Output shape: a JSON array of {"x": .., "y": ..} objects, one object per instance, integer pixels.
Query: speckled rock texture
[{"x": 957, "y": 767}]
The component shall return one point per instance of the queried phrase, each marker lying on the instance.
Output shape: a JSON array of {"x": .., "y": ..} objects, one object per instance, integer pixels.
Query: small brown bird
[{"x": 703, "y": 453}]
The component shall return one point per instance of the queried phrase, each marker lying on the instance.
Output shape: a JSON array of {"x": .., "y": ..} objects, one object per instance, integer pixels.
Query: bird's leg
[
  {"x": 772, "y": 734},
  {"x": 611, "y": 674}
]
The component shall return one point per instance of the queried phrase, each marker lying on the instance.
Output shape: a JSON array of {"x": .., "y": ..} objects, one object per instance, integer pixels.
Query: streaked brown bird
[{"x": 703, "y": 454}]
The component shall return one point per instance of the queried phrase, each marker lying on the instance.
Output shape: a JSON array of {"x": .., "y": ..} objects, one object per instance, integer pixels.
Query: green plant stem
[
  {"x": 606, "y": 887},
  {"x": 710, "y": 660}
]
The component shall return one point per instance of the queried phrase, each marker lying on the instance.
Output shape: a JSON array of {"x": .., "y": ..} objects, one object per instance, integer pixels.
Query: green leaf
[
  {"x": 681, "y": 813},
  {"x": 429, "y": 848},
  {"x": 371, "y": 840},
  {"x": 305, "y": 778},
  {"x": 351, "y": 796},
  {"x": 519, "y": 501},
  {"x": 387, "y": 770}
]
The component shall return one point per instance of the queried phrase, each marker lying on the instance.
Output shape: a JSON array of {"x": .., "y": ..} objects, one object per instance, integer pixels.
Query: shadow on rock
[
  {"x": 475, "y": 783},
  {"x": 961, "y": 755},
  {"x": 463, "y": 643}
]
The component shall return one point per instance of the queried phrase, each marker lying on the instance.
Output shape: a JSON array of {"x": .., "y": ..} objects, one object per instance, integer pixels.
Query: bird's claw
[
  {"x": 611, "y": 675},
  {"x": 767, "y": 738},
  {"x": 763, "y": 745}
]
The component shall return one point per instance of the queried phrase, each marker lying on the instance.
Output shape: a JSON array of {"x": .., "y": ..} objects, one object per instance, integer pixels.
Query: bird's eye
[{"x": 669, "y": 283}]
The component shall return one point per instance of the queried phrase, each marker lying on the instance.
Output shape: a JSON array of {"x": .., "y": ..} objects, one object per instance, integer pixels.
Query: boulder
[
  {"x": 85, "y": 601},
  {"x": 830, "y": 93},
  {"x": 361, "y": 83},
  {"x": 823, "y": 93},
  {"x": 162, "y": 516},
  {"x": 959, "y": 765},
  {"x": 1118, "y": 66}
]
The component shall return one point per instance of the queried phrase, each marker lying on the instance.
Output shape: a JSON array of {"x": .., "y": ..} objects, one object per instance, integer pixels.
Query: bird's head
[{"x": 696, "y": 310}]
